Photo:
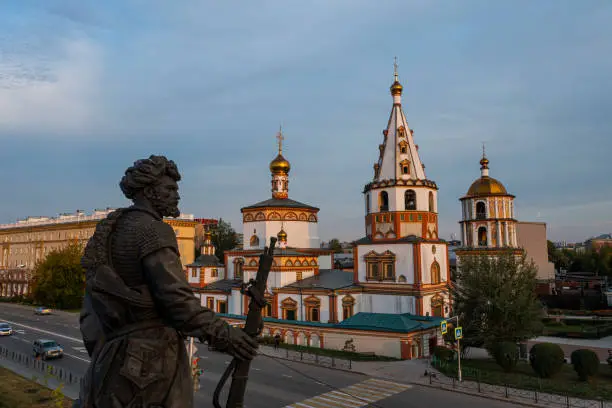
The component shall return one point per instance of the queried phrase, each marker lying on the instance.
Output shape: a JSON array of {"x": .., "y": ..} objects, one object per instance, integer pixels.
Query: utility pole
[{"x": 458, "y": 336}]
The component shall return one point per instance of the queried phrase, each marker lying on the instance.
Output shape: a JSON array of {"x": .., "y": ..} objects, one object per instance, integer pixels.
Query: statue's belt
[{"x": 134, "y": 327}]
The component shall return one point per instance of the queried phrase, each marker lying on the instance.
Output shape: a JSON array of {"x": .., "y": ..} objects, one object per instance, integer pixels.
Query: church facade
[{"x": 392, "y": 301}]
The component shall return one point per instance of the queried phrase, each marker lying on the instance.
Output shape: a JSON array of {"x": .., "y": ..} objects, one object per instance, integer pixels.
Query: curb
[{"x": 481, "y": 395}]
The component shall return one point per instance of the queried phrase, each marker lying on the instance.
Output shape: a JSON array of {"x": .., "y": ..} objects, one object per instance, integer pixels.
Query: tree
[
  {"x": 334, "y": 245},
  {"x": 59, "y": 280},
  {"x": 495, "y": 299},
  {"x": 224, "y": 238}
]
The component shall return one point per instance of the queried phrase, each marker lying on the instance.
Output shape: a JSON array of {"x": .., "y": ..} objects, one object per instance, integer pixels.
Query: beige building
[
  {"x": 28, "y": 241},
  {"x": 532, "y": 238}
]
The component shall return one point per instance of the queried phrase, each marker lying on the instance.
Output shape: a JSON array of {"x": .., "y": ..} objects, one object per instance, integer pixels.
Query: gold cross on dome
[
  {"x": 280, "y": 139},
  {"x": 395, "y": 68}
]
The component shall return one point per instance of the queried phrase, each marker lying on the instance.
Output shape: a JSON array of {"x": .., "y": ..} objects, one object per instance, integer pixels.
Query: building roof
[
  {"x": 223, "y": 285},
  {"x": 485, "y": 186},
  {"x": 206, "y": 260},
  {"x": 273, "y": 202},
  {"x": 409, "y": 238},
  {"x": 326, "y": 279},
  {"x": 403, "y": 323},
  {"x": 383, "y": 322}
]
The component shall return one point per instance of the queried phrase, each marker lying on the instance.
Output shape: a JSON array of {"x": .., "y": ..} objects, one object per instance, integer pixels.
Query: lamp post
[{"x": 459, "y": 374}]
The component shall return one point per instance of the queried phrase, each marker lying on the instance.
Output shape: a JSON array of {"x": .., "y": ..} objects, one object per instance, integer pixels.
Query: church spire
[
  {"x": 279, "y": 168},
  {"x": 396, "y": 87},
  {"x": 484, "y": 163}
]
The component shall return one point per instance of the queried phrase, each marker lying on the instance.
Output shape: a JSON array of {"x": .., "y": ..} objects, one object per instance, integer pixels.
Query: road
[{"x": 272, "y": 383}]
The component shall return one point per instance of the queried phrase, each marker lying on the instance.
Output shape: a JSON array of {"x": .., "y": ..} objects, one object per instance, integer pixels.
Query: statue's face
[{"x": 165, "y": 198}]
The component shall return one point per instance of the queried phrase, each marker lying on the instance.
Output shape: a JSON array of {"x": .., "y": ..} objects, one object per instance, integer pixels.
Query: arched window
[
  {"x": 482, "y": 236},
  {"x": 367, "y": 203},
  {"x": 289, "y": 307},
  {"x": 437, "y": 306},
  {"x": 410, "y": 200},
  {"x": 431, "y": 202},
  {"x": 254, "y": 241},
  {"x": 435, "y": 273},
  {"x": 383, "y": 201},
  {"x": 313, "y": 308},
  {"x": 238, "y": 271},
  {"x": 481, "y": 210},
  {"x": 348, "y": 306}
]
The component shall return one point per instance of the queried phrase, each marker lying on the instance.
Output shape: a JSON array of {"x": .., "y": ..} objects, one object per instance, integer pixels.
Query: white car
[{"x": 5, "y": 329}]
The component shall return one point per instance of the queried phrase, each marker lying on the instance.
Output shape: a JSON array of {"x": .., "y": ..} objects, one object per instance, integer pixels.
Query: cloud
[{"x": 47, "y": 98}]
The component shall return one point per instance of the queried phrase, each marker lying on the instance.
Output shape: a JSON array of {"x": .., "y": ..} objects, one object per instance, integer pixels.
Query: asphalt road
[{"x": 272, "y": 383}]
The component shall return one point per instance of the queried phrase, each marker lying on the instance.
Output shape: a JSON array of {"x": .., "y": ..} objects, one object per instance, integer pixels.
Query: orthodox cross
[
  {"x": 483, "y": 150},
  {"x": 280, "y": 139},
  {"x": 395, "y": 68}
]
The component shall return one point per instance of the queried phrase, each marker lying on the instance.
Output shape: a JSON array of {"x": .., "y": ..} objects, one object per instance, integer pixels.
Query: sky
[{"x": 88, "y": 87}]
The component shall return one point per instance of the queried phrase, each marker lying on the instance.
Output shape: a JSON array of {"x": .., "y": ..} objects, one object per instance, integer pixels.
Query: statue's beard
[{"x": 166, "y": 209}]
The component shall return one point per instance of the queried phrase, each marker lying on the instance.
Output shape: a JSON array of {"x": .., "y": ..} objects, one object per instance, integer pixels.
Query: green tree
[
  {"x": 334, "y": 245},
  {"x": 224, "y": 238},
  {"x": 59, "y": 280},
  {"x": 495, "y": 299}
]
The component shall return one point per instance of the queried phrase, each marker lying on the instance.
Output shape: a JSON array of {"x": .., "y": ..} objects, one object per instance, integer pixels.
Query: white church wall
[
  {"x": 404, "y": 262},
  {"x": 300, "y": 234},
  {"x": 193, "y": 275},
  {"x": 382, "y": 303},
  {"x": 217, "y": 297},
  {"x": 208, "y": 274},
  {"x": 235, "y": 304},
  {"x": 386, "y": 346},
  {"x": 428, "y": 257},
  {"x": 397, "y": 200}
]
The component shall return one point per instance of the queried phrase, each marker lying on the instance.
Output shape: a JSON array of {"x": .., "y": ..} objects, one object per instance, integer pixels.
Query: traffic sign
[
  {"x": 458, "y": 333},
  {"x": 443, "y": 326}
]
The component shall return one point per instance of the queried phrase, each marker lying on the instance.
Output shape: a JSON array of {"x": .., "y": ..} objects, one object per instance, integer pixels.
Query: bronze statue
[{"x": 138, "y": 307}]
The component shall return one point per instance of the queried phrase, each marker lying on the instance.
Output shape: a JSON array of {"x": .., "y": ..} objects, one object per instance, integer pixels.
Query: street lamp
[{"x": 458, "y": 336}]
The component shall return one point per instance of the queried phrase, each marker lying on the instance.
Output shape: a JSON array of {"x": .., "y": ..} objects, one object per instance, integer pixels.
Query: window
[
  {"x": 380, "y": 266},
  {"x": 367, "y": 203},
  {"x": 221, "y": 306},
  {"x": 254, "y": 241},
  {"x": 267, "y": 310},
  {"x": 298, "y": 276},
  {"x": 313, "y": 308},
  {"x": 481, "y": 210},
  {"x": 289, "y": 308},
  {"x": 437, "y": 306},
  {"x": 482, "y": 236},
  {"x": 431, "y": 202},
  {"x": 194, "y": 272},
  {"x": 410, "y": 200},
  {"x": 348, "y": 307},
  {"x": 405, "y": 167},
  {"x": 383, "y": 201},
  {"x": 210, "y": 302},
  {"x": 214, "y": 273},
  {"x": 435, "y": 272},
  {"x": 238, "y": 271}
]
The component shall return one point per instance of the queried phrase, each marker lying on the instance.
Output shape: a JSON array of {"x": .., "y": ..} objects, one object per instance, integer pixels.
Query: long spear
[{"x": 253, "y": 326}]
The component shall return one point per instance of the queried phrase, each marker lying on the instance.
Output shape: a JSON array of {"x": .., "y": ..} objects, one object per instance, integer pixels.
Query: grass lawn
[
  {"x": 19, "y": 392},
  {"x": 565, "y": 383}
]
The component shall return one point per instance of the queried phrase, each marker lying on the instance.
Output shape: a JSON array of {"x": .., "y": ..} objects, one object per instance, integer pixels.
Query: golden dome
[
  {"x": 486, "y": 185},
  {"x": 280, "y": 165},
  {"x": 396, "y": 88},
  {"x": 282, "y": 235}
]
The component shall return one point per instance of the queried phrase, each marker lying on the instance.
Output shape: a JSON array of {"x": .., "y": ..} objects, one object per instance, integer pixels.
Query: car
[
  {"x": 5, "y": 329},
  {"x": 42, "y": 311},
  {"x": 47, "y": 349}
]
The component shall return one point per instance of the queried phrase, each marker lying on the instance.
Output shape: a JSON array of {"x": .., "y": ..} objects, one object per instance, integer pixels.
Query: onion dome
[
  {"x": 282, "y": 235},
  {"x": 280, "y": 165},
  {"x": 396, "y": 88},
  {"x": 486, "y": 185}
]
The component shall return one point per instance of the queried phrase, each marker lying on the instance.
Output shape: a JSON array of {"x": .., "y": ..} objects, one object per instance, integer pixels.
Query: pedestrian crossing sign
[
  {"x": 458, "y": 333},
  {"x": 443, "y": 327}
]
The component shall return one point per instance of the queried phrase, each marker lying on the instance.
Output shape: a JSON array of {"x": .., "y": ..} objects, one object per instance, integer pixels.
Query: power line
[{"x": 318, "y": 380}]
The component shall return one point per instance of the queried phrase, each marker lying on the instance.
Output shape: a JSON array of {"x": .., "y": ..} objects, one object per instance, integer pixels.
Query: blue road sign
[
  {"x": 458, "y": 333},
  {"x": 443, "y": 327}
]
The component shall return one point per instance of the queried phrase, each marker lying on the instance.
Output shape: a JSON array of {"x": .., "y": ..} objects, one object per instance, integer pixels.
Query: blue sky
[{"x": 87, "y": 87}]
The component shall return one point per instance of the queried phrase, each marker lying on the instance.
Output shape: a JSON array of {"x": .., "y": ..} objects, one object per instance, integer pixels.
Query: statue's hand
[{"x": 237, "y": 343}]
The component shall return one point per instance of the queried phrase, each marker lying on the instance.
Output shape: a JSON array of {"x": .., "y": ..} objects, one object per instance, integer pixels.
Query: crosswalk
[{"x": 357, "y": 395}]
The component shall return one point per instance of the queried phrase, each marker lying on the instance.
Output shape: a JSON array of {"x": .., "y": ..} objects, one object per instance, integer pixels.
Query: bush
[
  {"x": 586, "y": 363},
  {"x": 443, "y": 353},
  {"x": 546, "y": 359},
  {"x": 506, "y": 355}
]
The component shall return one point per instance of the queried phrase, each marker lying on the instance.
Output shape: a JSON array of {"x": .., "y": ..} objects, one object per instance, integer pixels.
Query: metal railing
[
  {"x": 312, "y": 358},
  {"x": 61, "y": 374},
  {"x": 531, "y": 396}
]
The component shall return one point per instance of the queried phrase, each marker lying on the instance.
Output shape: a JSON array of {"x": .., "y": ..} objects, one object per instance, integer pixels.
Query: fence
[
  {"x": 326, "y": 361},
  {"x": 531, "y": 396},
  {"x": 64, "y": 376}
]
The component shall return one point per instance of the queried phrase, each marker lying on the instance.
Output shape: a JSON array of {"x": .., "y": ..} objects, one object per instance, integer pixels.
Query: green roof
[
  {"x": 402, "y": 323},
  {"x": 384, "y": 322}
]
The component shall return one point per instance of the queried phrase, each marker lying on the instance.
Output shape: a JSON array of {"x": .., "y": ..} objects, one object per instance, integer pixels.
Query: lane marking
[
  {"x": 19, "y": 331},
  {"x": 46, "y": 332},
  {"x": 80, "y": 349},
  {"x": 288, "y": 376}
]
